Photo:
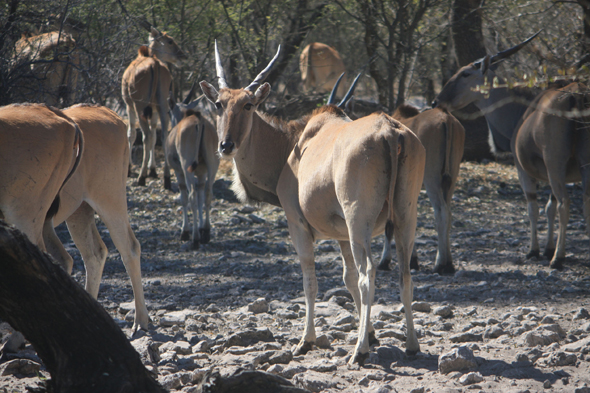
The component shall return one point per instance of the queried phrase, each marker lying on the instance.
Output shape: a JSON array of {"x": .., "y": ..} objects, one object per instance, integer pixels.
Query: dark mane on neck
[
  {"x": 291, "y": 128},
  {"x": 330, "y": 109},
  {"x": 405, "y": 111}
]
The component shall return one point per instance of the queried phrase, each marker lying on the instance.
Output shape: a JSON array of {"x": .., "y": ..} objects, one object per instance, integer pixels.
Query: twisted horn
[
  {"x": 509, "y": 52},
  {"x": 332, "y": 97},
  {"x": 263, "y": 74},
  {"x": 220, "y": 73},
  {"x": 350, "y": 92}
]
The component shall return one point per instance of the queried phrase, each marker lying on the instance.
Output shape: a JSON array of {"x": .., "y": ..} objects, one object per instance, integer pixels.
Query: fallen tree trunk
[{"x": 79, "y": 343}]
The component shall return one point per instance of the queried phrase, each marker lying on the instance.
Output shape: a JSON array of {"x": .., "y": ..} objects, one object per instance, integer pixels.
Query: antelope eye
[
  {"x": 218, "y": 105},
  {"x": 248, "y": 106},
  {"x": 465, "y": 74}
]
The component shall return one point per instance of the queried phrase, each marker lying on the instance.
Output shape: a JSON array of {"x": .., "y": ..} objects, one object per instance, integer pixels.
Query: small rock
[
  {"x": 347, "y": 319},
  {"x": 421, "y": 306},
  {"x": 323, "y": 366},
  {"x": 286, "y": 314},
  {"x": 201, "y": 346},
  {"x": 256, "y": 219},
  {"x": 493, "y": 332},
  {"x": 532, "y": 339},
  {"x": 443, "y": 311},
  {"x": 342, "y": 291},
  {"x": 289, "y": 372},
  {"x": 180, "y": 347},
  {"x": 582, "y": 346},
  {"x": 392, "y": 333},
  {"x": 547, "y": 384},
  {"x": 14, "y": 342},
  {"x": 314, "y": 381},
  {"x": 559, "y": 359},
  {"x": 465, "y": 337},
  {"x": 258, "y": 306},
  {"x": 276, "y": 369},
  {"x": 250, "y": 337},
  {"x": 471, "y": 378},
  {"x": 390, "y": 354},
  {"x": 582, "y": 313},
  {"x": 20, "y": 366},
  {"x": 458, "y": 359},
  {"x": 322, "y": 341},
  {"x": 170, "y": 382}
]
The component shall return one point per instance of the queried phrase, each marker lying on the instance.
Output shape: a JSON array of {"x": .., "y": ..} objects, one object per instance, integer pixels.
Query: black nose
[
  {"x": 434, "y": 103},
  {"x": 227, "y": 147}
]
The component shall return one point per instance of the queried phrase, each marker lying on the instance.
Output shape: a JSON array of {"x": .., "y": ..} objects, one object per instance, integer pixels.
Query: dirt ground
[{"x": 518, "y": 320}]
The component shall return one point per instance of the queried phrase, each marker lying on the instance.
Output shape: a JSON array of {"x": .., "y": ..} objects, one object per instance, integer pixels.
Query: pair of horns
[
  {"x": 257, "y": 81},
  {"x": 348, "y": 94},
  {"x": 506, "y": 53}
]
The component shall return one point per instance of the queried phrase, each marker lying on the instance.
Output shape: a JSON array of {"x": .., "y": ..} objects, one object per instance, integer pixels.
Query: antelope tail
[
  {"x": 193, "y": 166},
  {"x": 79, "y": 146},
  {"x": 446, "y": 170},
  {"x": 155, "y": 76},
  {"x": 396, "y": 154}
]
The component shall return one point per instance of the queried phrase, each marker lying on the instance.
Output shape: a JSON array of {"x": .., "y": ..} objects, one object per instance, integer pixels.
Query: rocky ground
[{"x": 500, "y": 324}]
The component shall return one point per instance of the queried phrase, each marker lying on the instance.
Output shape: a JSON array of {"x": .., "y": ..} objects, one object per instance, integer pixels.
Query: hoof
[
  {"x": 414, "y": 263},
  {"x": 167, "y": 183},
  {"x": 141, "y": 181},
  {"x": 445, "y": 270},
  {"x": 533, "y": 254},
  {"x": 153, "y": 173},
  {"x": 412, "y": 352},
  {"x": 205, "y": 235},
  {"x": 549, "y": 252},
  {"x": 372, "y": 339},
  {"x": 384, "y": 265},
  {"x": 360, "y": 358},
  {"x": 557, "y": 263},
  {"x": 196, "y": 244},
  {"x": 302, "y": 348},
  {"x": 184, "y": 236}
]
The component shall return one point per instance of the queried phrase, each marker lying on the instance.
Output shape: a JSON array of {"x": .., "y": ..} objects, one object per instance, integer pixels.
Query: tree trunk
[
  {"x": 467, "y": 34},
  {"x": 79, "y": 343},
  {"x": 468, "y": 42}
]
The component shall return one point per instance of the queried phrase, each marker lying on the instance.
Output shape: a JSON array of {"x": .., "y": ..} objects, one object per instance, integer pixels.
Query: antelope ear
[
  {"x": 209, "y": 91},
  {"x": 485, "y": 64},
  {"x": 262, "y": 93}
]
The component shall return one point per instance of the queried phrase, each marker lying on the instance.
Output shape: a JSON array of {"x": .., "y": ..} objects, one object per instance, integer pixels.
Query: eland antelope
[
  {"x": 40, "y": 148},
  {"x": 336, "y": 179},
  {"x": 547, "y": 137},
  {"x": 320, "y": 67},
  {"x": 53, "y": 62},
  {"x": 99, "y": 185},
  {"x": 145, "y": 87},
  {"x": 191, "y": 151},
  {"x": 443, "y": 138}
]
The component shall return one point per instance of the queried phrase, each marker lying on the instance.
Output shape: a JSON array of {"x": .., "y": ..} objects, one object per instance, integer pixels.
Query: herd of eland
[{"x": 335, "y": 177}]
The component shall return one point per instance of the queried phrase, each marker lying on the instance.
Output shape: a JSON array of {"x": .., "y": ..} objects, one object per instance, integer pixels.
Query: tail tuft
[
  {"x": 53, "y": 209},
  {"x": 192, "y": 167},
  {"x": 148, "y": 112}
]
